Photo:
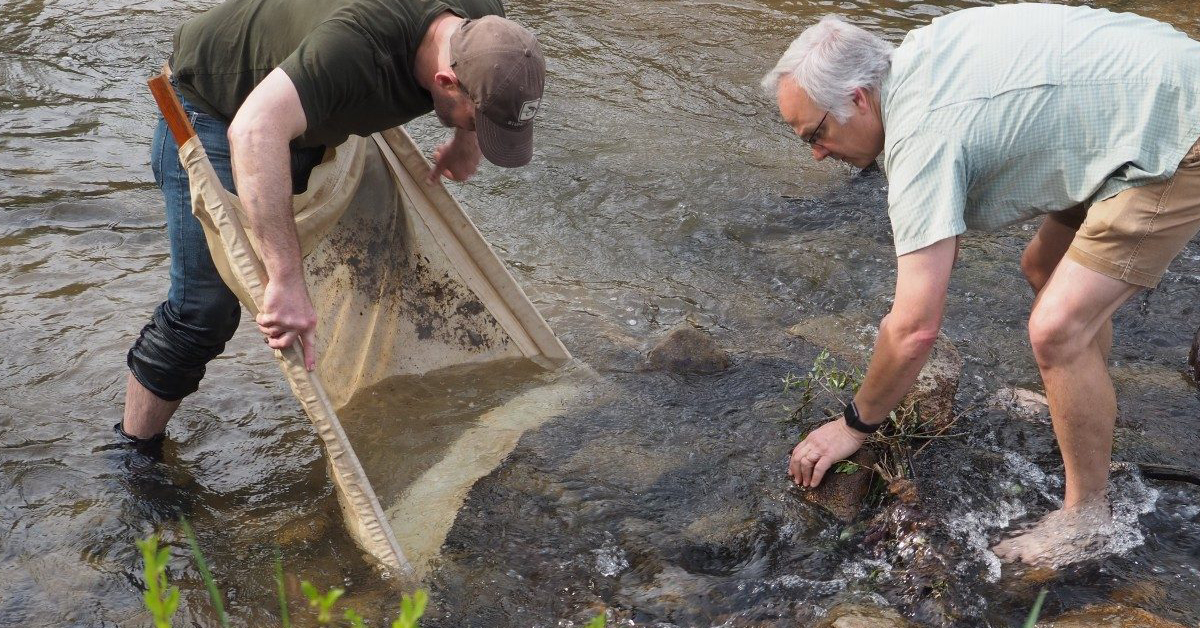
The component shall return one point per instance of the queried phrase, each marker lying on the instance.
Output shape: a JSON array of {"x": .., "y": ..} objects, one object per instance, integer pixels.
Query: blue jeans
[{"x": 200, "y": 314}]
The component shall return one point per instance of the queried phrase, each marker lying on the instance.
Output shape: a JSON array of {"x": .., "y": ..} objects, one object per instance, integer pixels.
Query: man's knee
[
  {"x": 169, "y": 357},
  {"x": 1055, "y": 337}
]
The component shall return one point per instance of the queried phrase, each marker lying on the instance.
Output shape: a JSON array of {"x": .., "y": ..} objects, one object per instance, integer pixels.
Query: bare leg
[
  {"x": 1070, "y": 315},
  {"x": 1041, "y": 257},
  {"x": 146, "y": 415}
]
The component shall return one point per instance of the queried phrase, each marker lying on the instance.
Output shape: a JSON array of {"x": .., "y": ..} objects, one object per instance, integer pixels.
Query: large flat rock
[{"x": 1109, "y": 616}]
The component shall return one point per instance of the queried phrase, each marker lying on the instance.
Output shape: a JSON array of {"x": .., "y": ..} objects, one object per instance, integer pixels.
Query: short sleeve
[
  {"x": 927, "y": 185},
  {"x": 333, "y": 69}
]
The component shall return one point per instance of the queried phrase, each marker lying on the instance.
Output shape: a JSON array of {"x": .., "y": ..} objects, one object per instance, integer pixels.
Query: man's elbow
[
  {"x": 243, "y": 133},
  {"x": 913, "y": 338}
]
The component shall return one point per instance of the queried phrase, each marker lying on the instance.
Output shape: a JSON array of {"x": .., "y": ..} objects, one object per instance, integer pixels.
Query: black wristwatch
[{"x": 855, "y": 422}]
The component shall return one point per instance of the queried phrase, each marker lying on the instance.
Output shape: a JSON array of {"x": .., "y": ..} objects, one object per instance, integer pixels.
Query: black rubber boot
[{"x": 150, "y": 447}]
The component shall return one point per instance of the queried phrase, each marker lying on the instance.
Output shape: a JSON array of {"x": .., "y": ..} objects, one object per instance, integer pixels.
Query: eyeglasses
[{"x": 812, "y": 137}]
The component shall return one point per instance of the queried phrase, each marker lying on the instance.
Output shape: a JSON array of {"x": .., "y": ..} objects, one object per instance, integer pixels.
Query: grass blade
[
  {"x": 213, "y": 593},
  {"x": 1037, "y": 610},
  {"x": 283, "y": 607}
]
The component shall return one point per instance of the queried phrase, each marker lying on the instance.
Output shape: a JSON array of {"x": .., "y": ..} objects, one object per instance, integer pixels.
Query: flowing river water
[{"x": 664, "y": 187}]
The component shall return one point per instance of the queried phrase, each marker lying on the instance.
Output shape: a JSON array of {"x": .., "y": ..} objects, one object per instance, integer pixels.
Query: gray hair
[{"x": 830, "y": 60}]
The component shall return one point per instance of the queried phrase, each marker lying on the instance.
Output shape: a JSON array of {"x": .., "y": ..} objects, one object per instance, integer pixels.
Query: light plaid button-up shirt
[{"x": 994, "y": 115}]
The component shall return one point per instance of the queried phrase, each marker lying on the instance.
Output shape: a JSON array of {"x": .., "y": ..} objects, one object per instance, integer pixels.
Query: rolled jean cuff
[{"x": 169, "y": 359}]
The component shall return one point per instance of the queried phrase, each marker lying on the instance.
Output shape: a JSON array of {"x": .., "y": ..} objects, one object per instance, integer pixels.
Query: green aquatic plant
[
  {"x": 213, "y": 594},
  {"x": 847, "y": 467},
  {"x": 323, "y": 602},
  {"x": 822, "y": 392},
  {"x": 281, "y": 591},
  {"x": 1036, "y": 610},
  {"x": 162, "y": 600},
  {"x": 356, "y": 620},
  {"x": 825, "y": 377},
  {"x": 411, "y": 609}
]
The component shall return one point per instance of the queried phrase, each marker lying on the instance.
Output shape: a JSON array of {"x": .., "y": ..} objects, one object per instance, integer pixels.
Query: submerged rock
[
  {"x": 688, "y": 349},
  {"x": 937, "y": 383},
  {"x": 1140, "y": 593},
  {"x": 303, "y": 530},
  {"x": 848, "y": 337},
  {"x": 843, "y": 494},
  {"x": 862, "y": 616},
  {"x": 1022, "y": 403},
  {"x": 1109, "y": 616},
  {"x": 721, "y": 528}
]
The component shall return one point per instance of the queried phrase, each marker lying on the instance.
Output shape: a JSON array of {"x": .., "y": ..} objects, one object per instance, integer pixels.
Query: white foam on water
[
  {"x": 1130, "y": 498},
  {"x": 816, "y": 587},
  {"x": 862, "y": 569},
  {"x": 610, "y": 559},
  {"x": 974, "y": 523}
]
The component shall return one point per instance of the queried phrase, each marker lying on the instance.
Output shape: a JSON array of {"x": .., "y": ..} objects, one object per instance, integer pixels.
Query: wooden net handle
[{"x": 172, "y": 109}]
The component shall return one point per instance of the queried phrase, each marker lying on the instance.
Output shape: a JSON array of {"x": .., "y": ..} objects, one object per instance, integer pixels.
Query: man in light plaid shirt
[{"x": 987, "y": 117}]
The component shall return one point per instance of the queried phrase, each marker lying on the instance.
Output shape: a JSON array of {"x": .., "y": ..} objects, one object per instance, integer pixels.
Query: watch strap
[{"x": 855, "y": 422}]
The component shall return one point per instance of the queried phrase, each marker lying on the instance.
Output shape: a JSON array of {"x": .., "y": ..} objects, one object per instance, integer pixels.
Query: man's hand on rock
[
  {"x": 458, "y": 159},
  {"x": 827, "y": 444},
  {"x": 288, "y": 314}
]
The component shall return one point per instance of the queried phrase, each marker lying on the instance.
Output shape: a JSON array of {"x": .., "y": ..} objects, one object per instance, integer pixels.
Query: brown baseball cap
[{"x": 500, "y": 65}]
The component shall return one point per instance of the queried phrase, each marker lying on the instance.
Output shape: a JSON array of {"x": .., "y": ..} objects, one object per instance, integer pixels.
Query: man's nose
[{"x": 819, "y": 152}]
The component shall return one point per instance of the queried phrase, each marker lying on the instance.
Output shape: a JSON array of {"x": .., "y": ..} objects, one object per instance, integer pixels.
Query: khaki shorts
[{"x": 1134, "y": 235}]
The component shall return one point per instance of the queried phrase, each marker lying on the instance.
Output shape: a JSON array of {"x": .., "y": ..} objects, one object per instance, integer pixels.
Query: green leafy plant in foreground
[
  {"x": 411, "y": 609},
  {"x": 323, "y": 602},
  {"x": 161, "y": 599}
]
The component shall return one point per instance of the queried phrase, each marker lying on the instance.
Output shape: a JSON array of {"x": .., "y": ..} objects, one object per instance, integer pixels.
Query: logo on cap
[{"x": 529, "y": 109}]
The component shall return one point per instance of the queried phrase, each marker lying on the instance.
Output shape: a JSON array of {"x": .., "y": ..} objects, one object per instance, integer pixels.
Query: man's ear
[
  {"x": 861, "y": 98},
  {"x": 446, "y": 79}
]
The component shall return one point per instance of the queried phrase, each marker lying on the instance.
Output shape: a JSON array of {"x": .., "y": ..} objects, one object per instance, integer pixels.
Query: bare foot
[{"x": 1061, "y": 537}]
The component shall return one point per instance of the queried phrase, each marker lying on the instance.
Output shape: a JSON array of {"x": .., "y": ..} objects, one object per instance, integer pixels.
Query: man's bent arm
[
  {"x": 906, "y": 336},
  {"x": 259, "y": 139},
  {"x": 907, "y": 333}
]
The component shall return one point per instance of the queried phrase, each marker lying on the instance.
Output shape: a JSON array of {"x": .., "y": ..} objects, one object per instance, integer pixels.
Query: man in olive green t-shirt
[{"x": 269, "y": 84}]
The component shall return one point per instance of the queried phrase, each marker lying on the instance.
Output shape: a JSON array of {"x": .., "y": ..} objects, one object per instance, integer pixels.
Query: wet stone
[
  {"x": 848, "y": 337},
  {"x": 1109, "y": 616},
  {"x": 687, "y": 349},
  {"x": 1022, "y": 403},
  {"x": 937, "y": 384},
  {"x": 723, "y": 527},
  {"x": 1140, "y": 593},
  {"x": 642, "y": 464},
  {"x": 861, "y": 616},
  {"x": 302, "y": 531},
  {"x": 843, "y": 494}
]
